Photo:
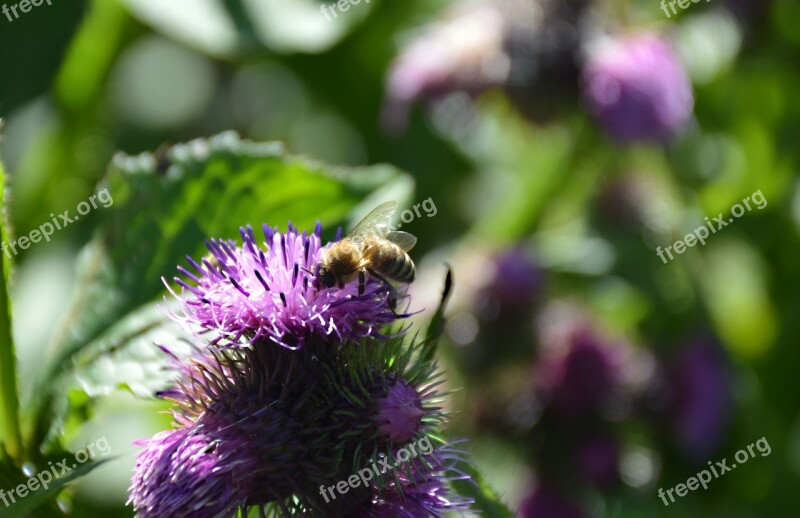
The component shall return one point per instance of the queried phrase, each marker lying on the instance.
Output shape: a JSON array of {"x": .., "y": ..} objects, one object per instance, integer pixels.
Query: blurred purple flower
[
  {"x": 250, "y": 292},
  {"x": 637, "y": 88},
  {"x": 546, "y": 502},
  {"x": 502, "y": 298},
  {"x": 598, "y": 460},
  {"x": 461, "y": 53},
  {"x": 577, "y": 374},
  {"x": 516, "y": 280},
  {"x": 702, "y": 399},
  {"x": 530, "y": 48}
]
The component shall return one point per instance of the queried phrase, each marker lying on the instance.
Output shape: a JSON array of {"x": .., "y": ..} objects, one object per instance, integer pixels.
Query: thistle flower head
[
  {"x": 236, "y": 444},
  {"x": 399, "y": 414},
  {"x": 637, "y": 88},
  {"x": 279, "y": 402},
  {"x": 248, "y": 292}
]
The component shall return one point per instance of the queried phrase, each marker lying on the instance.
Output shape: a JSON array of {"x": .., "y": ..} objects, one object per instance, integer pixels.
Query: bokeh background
[{"x": 561, "y": 142}]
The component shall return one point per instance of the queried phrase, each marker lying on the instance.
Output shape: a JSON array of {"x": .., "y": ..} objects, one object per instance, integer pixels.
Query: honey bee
[{"x": 371, "y": 247}]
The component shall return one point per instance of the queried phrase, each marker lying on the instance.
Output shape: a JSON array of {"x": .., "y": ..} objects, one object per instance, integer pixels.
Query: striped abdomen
[{"x": 390, "y": 261}]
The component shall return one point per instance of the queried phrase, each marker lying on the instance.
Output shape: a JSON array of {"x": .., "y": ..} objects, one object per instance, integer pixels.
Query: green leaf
[
  {"x": 436, "y": 325},
  {"x": 41, "y": 496},
  {"x": 8, "y": 359},
  {"x": 162, "y": 207},
  {"x": 487, "y": 502},
  {"x": 126, "y": 358}
]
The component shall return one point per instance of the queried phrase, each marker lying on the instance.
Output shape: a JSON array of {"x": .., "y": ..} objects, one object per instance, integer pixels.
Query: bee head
[{"x": 325, "y": 277}]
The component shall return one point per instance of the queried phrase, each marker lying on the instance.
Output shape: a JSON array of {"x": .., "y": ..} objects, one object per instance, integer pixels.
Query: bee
[{"x": 371, "y": 247}]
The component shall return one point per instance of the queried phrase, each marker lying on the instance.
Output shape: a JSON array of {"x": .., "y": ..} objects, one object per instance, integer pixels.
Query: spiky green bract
[
  {"x": 355, "y": 385},
  {"x": 364, "y": 377}
]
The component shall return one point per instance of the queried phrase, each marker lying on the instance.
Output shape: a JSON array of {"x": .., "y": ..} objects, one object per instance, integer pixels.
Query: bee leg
[
  {"x": 362, "y": 281},
  {"x": 391, "y": 299}
]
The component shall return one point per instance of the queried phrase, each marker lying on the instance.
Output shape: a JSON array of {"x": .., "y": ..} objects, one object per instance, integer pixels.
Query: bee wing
[
  {"x": 376, "y": 223},
  {"x": 404, "y": 240}
]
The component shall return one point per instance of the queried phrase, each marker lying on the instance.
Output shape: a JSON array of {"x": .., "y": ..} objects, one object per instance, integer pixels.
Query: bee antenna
[{"x": 306, "y": 270}]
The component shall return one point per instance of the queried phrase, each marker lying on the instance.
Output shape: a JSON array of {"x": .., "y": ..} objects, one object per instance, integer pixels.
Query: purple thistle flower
[
  {"x": 259, "y": 426},
  {"x": 214, "y": 467},
  {"x": 234, "y": 445},
  {"x": 399, "y": 414},
  {"x": 255, "y": 292},
  {"x": 265, "y": 426},
  {"x": 638, "y": 89}
]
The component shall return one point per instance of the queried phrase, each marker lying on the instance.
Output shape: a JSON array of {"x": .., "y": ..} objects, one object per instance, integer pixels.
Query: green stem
[{"x": 8, "y": 365}]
